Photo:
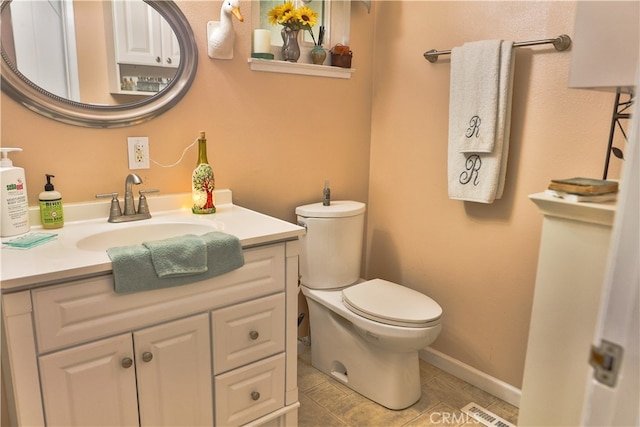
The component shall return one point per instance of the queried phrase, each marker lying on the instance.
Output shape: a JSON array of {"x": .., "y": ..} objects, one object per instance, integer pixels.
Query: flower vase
[
  {"x": 318, "y": 55},
  {"x": 290, "y": 47}
]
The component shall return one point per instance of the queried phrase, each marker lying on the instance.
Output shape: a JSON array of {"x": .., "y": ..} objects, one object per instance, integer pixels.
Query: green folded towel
[
  {"x": 178, "y": 256},
  {"x": 134, "y": 270}
]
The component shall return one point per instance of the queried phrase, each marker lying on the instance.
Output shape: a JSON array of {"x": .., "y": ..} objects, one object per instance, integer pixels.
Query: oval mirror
[{"x": 147, "y": 57}]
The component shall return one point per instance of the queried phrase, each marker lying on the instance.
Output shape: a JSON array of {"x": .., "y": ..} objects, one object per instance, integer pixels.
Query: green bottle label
[{"x": 51, "y": 213}]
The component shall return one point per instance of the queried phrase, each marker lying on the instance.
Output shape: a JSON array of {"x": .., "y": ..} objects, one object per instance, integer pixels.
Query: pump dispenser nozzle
[
  {"x": 6, "y": 162},
  {"x": 49, "y": 186},
  {"x": 326, "y": 194}
]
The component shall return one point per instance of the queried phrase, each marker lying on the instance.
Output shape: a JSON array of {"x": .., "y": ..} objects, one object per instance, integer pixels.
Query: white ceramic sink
[{"x": 136, "y": 233}]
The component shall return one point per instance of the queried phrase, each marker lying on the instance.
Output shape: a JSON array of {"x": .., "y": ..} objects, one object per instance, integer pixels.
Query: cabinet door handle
[
  {"x": 147, "y": 356},
  {"x": 127, "y": 362},
  {"x": 158, "y": 59},
  {"x": 169, "y": 61},
  {"x": 254, "y": 335},
  {"x": 255, "y": 395}
]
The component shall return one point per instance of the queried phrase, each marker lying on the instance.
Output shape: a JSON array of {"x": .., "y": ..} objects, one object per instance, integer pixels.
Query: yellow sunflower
[
  {"x": 275, "y": 15},
  {"x": 307, "y": 16},
  {"x": 287, "y": 15}
]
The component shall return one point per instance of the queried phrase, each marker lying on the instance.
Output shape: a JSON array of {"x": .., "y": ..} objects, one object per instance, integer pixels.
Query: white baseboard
[{"x": 473, "y": 376}]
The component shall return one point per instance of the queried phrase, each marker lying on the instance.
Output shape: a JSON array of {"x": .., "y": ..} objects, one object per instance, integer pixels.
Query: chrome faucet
[
  {"x": 130, "y": 213},
  {"x": 129, "y": 206}
]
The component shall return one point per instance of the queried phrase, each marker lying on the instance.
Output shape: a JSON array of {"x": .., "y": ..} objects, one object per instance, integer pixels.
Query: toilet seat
[{"x": 392, "y": 304}]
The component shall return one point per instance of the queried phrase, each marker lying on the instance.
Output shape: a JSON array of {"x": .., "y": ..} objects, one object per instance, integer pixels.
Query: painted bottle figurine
[{"x": 203, "y": 182}]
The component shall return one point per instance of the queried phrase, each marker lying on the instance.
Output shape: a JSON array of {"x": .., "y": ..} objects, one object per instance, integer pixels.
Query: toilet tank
[{"x": 331, "y": 250}]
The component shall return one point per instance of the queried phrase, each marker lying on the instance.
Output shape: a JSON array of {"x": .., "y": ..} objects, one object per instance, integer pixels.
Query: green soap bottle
[
  {"x": 203, "y": 182},
  {"x": 51, "y": 215}
]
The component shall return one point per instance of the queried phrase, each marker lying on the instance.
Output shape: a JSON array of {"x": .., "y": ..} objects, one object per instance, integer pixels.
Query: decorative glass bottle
[{"x": 203, "y": 182}]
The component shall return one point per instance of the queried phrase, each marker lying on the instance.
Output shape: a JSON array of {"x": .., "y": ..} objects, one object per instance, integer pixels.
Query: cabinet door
[
  {"x": 173, "y": 362},
  {"x": 91, "y": 385},
  {"x": 136, "y": 28},
  {"x": 170, "y": 46}
]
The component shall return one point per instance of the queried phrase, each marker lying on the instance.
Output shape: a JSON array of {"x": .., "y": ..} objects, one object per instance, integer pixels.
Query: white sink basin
[{"x": 136, "y": 233}]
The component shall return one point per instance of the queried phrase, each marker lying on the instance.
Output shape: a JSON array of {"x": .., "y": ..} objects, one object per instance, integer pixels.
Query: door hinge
[{"x": 606, "y": 360}]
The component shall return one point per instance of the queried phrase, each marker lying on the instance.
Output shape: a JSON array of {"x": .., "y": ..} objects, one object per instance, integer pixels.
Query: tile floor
[{"x": 324, "y": 402}]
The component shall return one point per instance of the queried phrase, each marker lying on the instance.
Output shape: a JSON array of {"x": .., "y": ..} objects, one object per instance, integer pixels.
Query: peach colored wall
[
  {"x": 478, "y": 261},
  {"x": 272, "y": 138},
  {"x": 379, "y": 137}
]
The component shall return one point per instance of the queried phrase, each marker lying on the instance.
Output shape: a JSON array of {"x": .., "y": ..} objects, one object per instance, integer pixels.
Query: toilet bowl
[{"x": 366, "y": 334}]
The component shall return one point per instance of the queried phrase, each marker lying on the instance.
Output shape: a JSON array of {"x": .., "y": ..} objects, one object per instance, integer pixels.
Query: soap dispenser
[
  {"x": 51, "y": 215},
  {"x": 15, "y": 205}
]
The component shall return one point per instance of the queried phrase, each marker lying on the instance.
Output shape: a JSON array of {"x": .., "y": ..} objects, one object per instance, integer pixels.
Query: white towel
[
  {"x": 475, "y": 174},
  {"x": 473, "y": 106}
]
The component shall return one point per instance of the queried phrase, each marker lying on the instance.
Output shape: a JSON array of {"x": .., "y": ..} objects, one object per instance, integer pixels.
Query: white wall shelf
[{"x": 275, "y": 66}]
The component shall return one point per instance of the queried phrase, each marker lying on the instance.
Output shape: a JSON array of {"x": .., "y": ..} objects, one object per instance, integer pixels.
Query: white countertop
[{"x": 61, "y": 259}]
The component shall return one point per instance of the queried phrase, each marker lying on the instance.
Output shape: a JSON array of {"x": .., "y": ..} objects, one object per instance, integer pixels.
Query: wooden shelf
[{"x": 275, "y": 66}]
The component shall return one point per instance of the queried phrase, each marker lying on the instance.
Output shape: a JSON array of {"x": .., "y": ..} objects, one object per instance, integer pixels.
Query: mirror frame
[{"x": 38, "y": 100}]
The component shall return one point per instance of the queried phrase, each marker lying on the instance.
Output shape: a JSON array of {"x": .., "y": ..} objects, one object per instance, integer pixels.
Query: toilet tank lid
[{"x": 337, "y": 209}]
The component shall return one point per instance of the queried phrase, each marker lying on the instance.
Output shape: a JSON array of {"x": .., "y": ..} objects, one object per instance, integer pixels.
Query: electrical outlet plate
[{"x": 138, "y": 149}]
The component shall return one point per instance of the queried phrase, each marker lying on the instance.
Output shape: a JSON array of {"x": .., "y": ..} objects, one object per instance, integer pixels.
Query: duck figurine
[{"x": 220, "y": 35}]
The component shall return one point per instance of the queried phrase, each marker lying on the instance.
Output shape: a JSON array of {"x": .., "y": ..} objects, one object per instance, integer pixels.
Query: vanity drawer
[
  {"x": 250, "y": 392},
  {"x": 247, "y": 332},
  {"x": 87, "y": 309}
]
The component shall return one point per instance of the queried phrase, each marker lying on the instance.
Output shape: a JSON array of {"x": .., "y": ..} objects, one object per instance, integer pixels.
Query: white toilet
[{"x": 366, "y": 334}]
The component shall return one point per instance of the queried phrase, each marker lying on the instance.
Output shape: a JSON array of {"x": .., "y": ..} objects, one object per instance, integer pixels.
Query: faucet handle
[
  {"x": 143, "y": 207},
  {"x": 103, "y": 195},
  {"x": 114, "y": 210}
]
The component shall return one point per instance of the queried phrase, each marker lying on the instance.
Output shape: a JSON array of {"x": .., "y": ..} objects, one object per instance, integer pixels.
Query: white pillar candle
[{"x": 261, "y": 41}]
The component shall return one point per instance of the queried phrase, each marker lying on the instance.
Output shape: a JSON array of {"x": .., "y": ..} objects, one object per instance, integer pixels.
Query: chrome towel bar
[{"x": 562, "y": 42}]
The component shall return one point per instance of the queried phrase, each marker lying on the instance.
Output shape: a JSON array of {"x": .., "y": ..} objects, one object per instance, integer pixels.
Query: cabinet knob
[
  {"x": 169, "y": 61},
  {"x": 255, "y": 395},
  {"x": 147, "y": 356},
  {"x": 158, "y": 59},
  {"x": 254, "y": 335},
  {"x": 127, "y": 362}
]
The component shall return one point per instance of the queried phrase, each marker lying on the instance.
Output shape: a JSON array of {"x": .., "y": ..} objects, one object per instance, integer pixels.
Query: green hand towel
[
  {"x": 134, "y": 271},
  {"x": 178, "y": 256}
]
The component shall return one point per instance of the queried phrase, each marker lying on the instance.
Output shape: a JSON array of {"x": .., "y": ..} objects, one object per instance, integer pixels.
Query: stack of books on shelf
[{"x": 583, "y": 190}]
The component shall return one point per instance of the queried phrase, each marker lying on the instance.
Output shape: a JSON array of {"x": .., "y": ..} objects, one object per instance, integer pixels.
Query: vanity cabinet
[
  {"x": 163, "y": 370},
  {"x": 216, "y": 352}
]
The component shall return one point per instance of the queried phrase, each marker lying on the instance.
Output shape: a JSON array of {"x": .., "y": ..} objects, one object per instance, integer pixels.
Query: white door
[
  {"x": 90, "y": 385},
  {"x": 174, "y": 373},
  {"x": 618, "y": 319},
  {"x": 45, "y": 45}
]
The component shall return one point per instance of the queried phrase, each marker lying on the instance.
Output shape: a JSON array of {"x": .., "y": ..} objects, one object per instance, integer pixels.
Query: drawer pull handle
[
  {"x": 147, "y": 356},
  {"x": 127, "y": 362},
  {"x": 254, "y": 335},
  {"x": 255, "y": 395}
]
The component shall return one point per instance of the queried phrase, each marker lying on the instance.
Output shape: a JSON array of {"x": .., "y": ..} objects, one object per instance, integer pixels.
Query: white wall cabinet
[
  {"x": 571, "y": 267},
  {"x": 142, "y": 36},
  {"x": 144, "y": 53},
  {"x": 217, "y": 352}
]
